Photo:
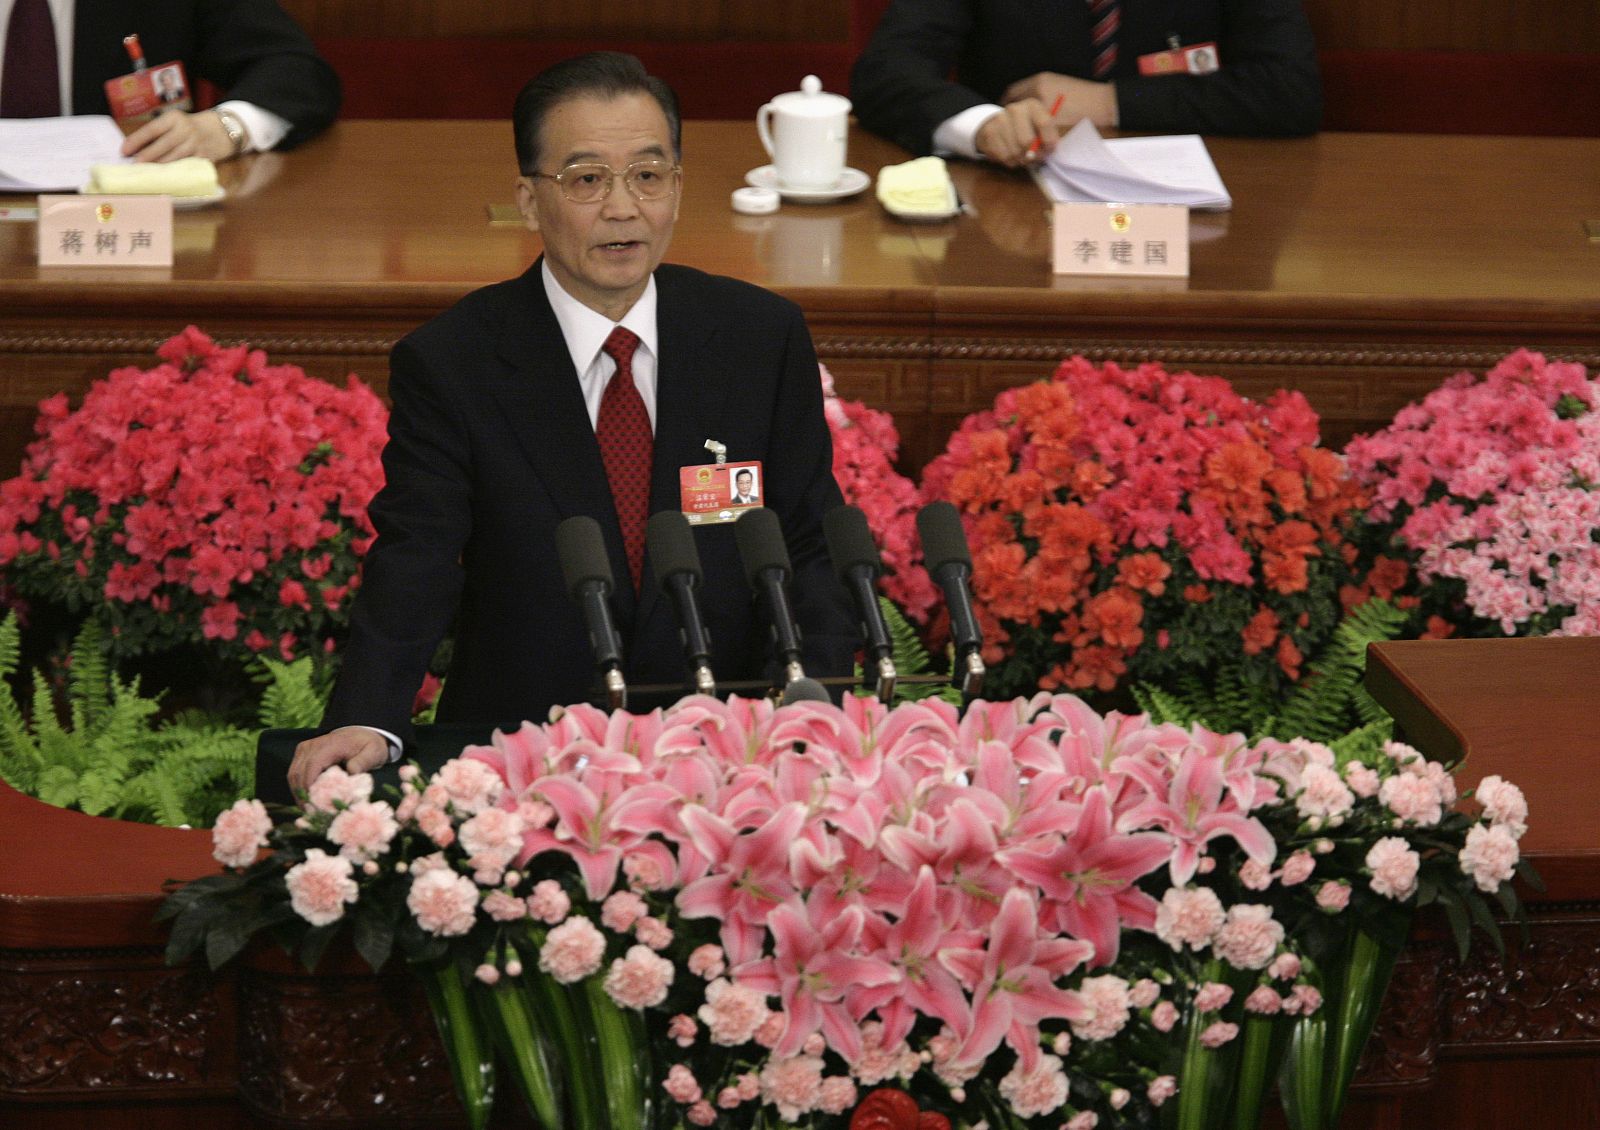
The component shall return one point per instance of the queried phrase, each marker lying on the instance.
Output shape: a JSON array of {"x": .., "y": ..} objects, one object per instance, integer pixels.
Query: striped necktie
[
  {"x": 32, "y": 83},
  {"x": 626, "y": 447},
  {"x": 1105, "y": 16}
]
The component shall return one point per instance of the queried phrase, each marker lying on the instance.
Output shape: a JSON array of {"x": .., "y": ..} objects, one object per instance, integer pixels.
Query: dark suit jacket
[
  {"x": 250, "y": 49},
  {"x": 490, "y": 448},
  {"x": 1268, "y": 85}
]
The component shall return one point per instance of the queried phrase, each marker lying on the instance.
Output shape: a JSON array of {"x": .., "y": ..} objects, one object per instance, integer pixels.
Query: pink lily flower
[
  {"x": 1193, "y": 808},
  {"x": 749, "y": 876},
  {"x": 912, "y": 945}
]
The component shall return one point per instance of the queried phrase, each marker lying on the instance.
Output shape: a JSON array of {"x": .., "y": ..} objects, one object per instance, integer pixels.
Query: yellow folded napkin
[
  {"x": 917, "y": 188},
  {"x": 191, "y": 176}
]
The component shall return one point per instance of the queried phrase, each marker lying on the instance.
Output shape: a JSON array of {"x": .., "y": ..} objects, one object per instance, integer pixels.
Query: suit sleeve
[
  {"x": 900, "y": 87},
  {"x": 801, "y": 489},
  {"x": 256, "y": 53},
  {"x": 1268, "y": 85},
  {"x": 411, "y": 579}
]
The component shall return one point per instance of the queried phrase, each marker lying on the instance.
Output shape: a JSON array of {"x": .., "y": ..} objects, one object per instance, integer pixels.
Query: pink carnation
[
  {"x": 1503, "y": 803},
  {"x": 1333, "y": 895},
  {"x": 1249, "y": 938},
  {"x": 1161, "y": 1088},
  {"x": 838, "y": 1094},
  {"x": 443, "y": 902},
  {"x": 1164, "y": 1016},
  {"x": 1264, "y": 999},
  {"x": 681, "y": 1085},
  {"x": 363, "y": 830},
  {"x": 793, "y": 1085},
  {"x": 240, "y": 833},
  {"x": 1297, "y": 868},
  {"x": 653, "y": 932},
  {"x": 1284, "y": 967},
  {"x": 706, "y": 961},
  {"x": 1188, "y": 916},
  {"x": 491, "y": 839},
  {"x": 573, "y": 950},
  {"x": 701, "y": 1113},
  {"x": 621, "y": 910},
  {"x": 1255, "y": 875},
  {"x": 733, "y": 1014},
  {"x": 1394, "y": 868},
  {"x": 1218, "y": 1033},
  {"x": 1413, "y": 799},
  {"x": 1039, "y": 1091},
  {"x": 1362, "y": 779},
  {"x": 682, "y": 1030},
  {"x": 505, "y": 907},
  {"x": 549, "y": 903},
  {"x": 472, "y": 785},
  {"x": 1083, "y": 1120},
  {"x": 1323, "y": 795},
  {"x": 320, "y": 887},
  {"x": 1144, "y": 993},
  {"x": 1107, "y": 997},
  {"x": 334, "y": 787},
  {"x": 1490, "y": 855},
  {"x": 639, "y": 979},
  {"x": 1212, "y": 996},
  {"x": 1303, "y": 1001}
]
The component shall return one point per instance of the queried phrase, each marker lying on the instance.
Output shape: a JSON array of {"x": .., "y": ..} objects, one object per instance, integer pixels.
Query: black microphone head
[
  {"x": 582, "y": 550},
  {"x": 804, "y": 690},
  {"x": 670, "y": 541},
  {"x": 944, "y": 541},
  {"x": 850, "y": 543},
  {"x": 760, "y": 538}
]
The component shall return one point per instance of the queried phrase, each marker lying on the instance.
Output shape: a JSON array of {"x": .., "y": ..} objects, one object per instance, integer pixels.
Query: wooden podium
[{"x": 1516, "y": 1042}]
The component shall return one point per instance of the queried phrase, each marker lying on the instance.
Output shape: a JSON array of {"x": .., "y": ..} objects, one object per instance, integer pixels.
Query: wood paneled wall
[
  {"x": 672, "y": 20},
  {"x": 1350, "y": 25}
]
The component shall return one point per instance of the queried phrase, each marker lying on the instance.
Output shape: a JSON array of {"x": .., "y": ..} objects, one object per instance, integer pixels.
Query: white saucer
[
  {"x": 184, "y": 203},
  {"x": 850, "y": 182}
]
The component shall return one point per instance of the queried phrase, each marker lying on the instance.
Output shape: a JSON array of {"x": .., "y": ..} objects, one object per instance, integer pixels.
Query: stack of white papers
[
  {"x": 1085, "y": 167},
  {"x": 54, "y": 154}
]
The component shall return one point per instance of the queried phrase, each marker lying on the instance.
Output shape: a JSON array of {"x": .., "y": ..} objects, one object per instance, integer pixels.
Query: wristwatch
[{"x": 238, "y": 137}]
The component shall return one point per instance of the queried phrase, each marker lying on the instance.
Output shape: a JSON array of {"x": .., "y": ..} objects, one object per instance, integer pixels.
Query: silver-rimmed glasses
[{"x": 590, "y": 181}]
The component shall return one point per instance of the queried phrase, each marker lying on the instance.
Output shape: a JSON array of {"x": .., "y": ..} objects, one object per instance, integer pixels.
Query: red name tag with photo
[
  {"x": 137, "y": 97},
  {"x": 1201, "y": 59},
  {"x": 719, "y": 492}
]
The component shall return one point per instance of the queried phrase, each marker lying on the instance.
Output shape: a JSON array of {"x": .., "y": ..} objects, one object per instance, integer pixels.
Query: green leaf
[
  {"x": 315, "y": 943},
  {"x": 373, "y": 935},
  {"x": 231, "y": 934}
]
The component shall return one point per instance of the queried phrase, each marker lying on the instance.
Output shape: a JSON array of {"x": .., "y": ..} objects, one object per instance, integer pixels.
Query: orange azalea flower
[
  {"x": 1438, "y": 629},
  {"x": 1284, "y": 572},
  {"x": 1089, "y": 479},
  {"x": 1145, "y": 572},
  {"x": 1289, "y": 487},
  {"x": 1046, "y": 408},
  {"x": 1196, "y": 594},
  {"x": 1097, "y": 667},
  {"x": 1116, "y": 614},
  {"x": 1289, "y": 657},
  {"x": 1019, "y": 490},
  {"x": 1260, "y": 632},
  {"x": 1388, "y": 576},
  {"x": 1238, "y": 467}
]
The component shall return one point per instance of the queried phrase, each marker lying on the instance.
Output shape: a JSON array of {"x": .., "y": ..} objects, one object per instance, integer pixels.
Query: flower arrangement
[
  {"x": 865, "y": 446},
  {"x": 1140, "y": 524},
  {"x": 1484, "y": 510},
  {"x": 1027, "y": 915},
  {"x": 214, "y": 499}
]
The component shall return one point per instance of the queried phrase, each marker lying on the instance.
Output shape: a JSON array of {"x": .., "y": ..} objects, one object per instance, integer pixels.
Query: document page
[
  {"x": 1175, "y": 169},
  {"x": 54, "y": 154}
]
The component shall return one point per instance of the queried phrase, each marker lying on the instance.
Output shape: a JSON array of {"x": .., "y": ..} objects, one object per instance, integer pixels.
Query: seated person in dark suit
[
  {"x": 1013, "y": 59},
  {"x": 496, "y": 437},
  {"x": 277, "y": 90}
]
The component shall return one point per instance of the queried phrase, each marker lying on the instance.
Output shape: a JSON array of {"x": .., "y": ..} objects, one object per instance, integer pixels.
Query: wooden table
[{"x": 1360, "y": 268}]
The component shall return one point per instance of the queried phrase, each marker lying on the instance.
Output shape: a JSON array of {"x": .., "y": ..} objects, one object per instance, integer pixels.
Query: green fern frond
[
  {"x": 88, "y": 678},
  {"x": 20, "y": 763},
  {"x": 1329, "y": 701},
  {"x": 293, "y": 698}
]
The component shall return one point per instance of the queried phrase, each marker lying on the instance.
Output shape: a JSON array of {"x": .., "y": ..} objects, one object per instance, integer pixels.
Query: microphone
[
  {"x": 944, "y": 549},
  {"x": 856, "y": 561},
  {"x": 767, "y": 568},
  {"x": 676, "y": 562},
  {"x": 804, "y": 690},
  {"x": 587, "y": 572}
]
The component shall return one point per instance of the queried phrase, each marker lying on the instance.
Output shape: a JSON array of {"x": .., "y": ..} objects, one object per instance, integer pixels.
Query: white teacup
[{"x": 805, "y": 132}]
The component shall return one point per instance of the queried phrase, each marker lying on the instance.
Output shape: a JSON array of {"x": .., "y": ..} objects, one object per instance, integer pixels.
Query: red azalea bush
[
  {"x": 215, "y": 499},
  {"x": 1484, "y": 509},
  {"x": 1140, "y": 524},
  {"x": 865, "y": 445}
]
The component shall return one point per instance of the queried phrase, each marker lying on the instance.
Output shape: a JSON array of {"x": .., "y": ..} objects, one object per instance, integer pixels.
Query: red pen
[
  {"x": 135, "y": 52},
  {"x": 1055, "y": 108}
]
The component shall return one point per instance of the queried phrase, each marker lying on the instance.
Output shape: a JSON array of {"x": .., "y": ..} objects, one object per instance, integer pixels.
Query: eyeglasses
[{"x": 589, "y": 182}]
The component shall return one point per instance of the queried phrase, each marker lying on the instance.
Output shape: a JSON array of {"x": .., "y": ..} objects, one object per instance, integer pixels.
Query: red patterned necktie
[
  {"x": 32, "y": 84},
  {"x": 1105, "y": 16},
  {"x": 626, "y": 446}
]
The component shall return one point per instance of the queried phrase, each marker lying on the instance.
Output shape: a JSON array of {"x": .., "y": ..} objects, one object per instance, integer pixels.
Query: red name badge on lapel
[
  {"x": 719, "y": 492},
  {"x": 1200, "y": 59},
  {"x": 140, "y": 95}
]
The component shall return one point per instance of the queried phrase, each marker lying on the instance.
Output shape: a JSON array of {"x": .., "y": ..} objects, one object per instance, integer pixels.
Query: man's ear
[{"x": 527, "y": 203}]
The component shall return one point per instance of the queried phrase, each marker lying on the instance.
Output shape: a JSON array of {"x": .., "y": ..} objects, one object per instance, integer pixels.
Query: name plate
[
  {"x": 1120, "y": 239},
  {"x": 105, "y": 231}
]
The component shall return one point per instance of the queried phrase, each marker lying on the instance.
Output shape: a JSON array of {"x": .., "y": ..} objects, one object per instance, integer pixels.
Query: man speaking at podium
[{"x": 509, "y": 416}]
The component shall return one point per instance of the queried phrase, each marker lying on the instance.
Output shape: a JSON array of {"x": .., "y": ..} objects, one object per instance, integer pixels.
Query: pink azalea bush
[
  {"x": 1006, "y": 909},
  {"x": 1484, "y": 508},
  {"x": 1136, "y": 524},
  {"x": 215, "y": 499},
  {"x": 865, "y": 446}
]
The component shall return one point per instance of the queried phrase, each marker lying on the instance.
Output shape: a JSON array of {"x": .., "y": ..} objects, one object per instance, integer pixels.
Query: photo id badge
[
  {"x": 137, "y": 97},
  {"x": 1200, "y": 59},
  {"x": 719, "y": 492}
]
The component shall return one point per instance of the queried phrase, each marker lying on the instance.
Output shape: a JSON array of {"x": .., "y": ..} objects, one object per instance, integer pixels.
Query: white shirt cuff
[
  {"x": 265, "y": 128},
  {"x": 958, "y": 136},
  {"x": 394, "y": 742}
]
